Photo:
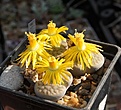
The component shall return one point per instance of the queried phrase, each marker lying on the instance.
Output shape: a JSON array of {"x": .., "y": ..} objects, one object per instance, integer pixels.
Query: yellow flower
[
  {"x": 54, "y": 33},
  {"x": 55, "y": 70},
  {"x": 33, "y": 51},
  {"x": 80, "y": 53},
  {"x": 45, "y": 40}
]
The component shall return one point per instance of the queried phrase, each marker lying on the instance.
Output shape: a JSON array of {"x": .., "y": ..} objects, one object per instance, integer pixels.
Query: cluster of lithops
[{"x": 54, "y": 60}]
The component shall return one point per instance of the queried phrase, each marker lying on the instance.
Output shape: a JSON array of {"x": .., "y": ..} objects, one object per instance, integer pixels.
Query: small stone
[
  {"x": 83, "y": 78},
  {"x": 66, "y": 97},
  {"x": 83, "y": 92},
  {"x": 11, "y": 77},
  {"x": 72, "y": 94},
  {"x": 90, "y": 77},
  {"x": 99, "y": 79},
  {"x": 76, "y": 81},
  {"x": 86, "y": 85},
  {"x": 94, "y": 83},
  {"x": 100, "y": 71},
  {"x": 83, "y": 103},
  {"x": 95, "y": 76},
  {"x": 61, "y": 102},
  {"x": 73, "y": 100},
  {"x": 104, "y": 70},
  {"x": 87, "y": 99},
  {"x": 107, "y": 63},
  {"x": 93, "y": 88}
]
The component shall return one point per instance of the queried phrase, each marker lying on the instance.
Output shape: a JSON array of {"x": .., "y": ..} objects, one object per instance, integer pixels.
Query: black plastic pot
[
  {"x": 2, "y": 45},
  {"x": 15, "y": 100}
]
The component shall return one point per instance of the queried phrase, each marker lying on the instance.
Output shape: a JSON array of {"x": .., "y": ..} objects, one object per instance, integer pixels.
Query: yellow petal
[
  {"x": 72, "y": 38},
  {"x": 53, "y": 79},
  {"x": 85, "y": 60},
  {"x": 61, "y": 38},
  {"x": 29, "y": 59},
  {"x": 65, "y": 76},
  {"x": 44, "y": 31},
  {"x": 34, "y": 59},
  {"x": 62, "y": 29},
  {"x": 81, "y": 62},
  {"x": 23, "y": 59}
]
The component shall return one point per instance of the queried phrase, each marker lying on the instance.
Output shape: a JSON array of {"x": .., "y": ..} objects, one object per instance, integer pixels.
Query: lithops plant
[
  {"x": 86, "y": 56},
  {"x": 36, "y": 49},
  {"x": 56, "y": 78},
  {"x": 49, "y": 91},
  {"x": 58, "y": 42},
  {"x": 54, "y": 33}
]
